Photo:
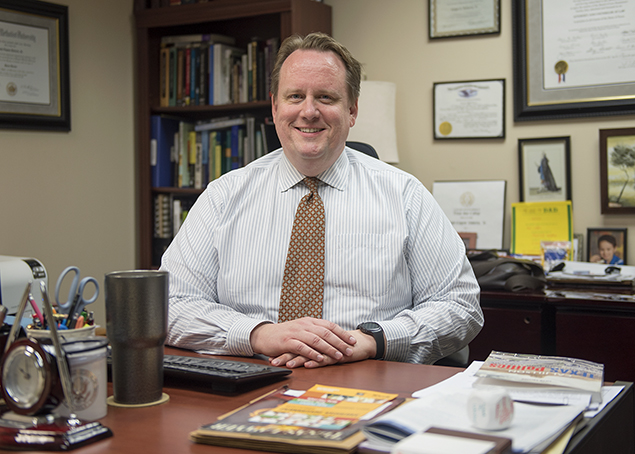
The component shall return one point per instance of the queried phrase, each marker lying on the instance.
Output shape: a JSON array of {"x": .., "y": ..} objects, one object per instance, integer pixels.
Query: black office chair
[
  {"x": 364, "y": 148},
  {"x": 456, "y": 359}
]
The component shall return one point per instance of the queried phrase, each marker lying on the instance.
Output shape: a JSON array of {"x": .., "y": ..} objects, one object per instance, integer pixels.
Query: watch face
[
  {"x": 24, "y": 376},
  {"x": 370, "y": 327}
]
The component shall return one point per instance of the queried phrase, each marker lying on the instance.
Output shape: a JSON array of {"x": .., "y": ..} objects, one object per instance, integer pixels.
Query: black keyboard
[{"x": 217, "y": 374}]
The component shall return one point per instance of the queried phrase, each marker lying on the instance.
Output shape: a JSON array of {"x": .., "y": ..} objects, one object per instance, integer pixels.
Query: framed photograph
[
  {"x": 451, "y": 18},
  {"x": 563, "y": 68},
  {"x": 605, "y": 245},
  {"x": 34, "y": 68},
  {"x": 617, "y": 171},
  {"x": 545, "y": 169},
  {"x": 469, "y": 110},
  {"x": 476, "y": 206},
  {"x": 469, "y": 238}
]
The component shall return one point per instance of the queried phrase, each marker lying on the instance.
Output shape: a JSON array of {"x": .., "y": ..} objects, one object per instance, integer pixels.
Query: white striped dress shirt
[{"x": 391, "y": 257}]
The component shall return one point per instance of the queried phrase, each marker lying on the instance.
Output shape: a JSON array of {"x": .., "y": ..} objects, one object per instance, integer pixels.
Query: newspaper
[{"x": 544, "y": 370}]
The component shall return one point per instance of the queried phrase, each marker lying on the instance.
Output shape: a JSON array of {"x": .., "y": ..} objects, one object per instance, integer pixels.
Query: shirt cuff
[
  {"x": 238, "y": 336},
  {"x": 397, "y": 340}
]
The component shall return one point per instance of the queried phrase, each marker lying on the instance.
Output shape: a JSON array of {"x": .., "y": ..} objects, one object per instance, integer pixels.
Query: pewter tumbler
[{"x": 136, "y": 325}]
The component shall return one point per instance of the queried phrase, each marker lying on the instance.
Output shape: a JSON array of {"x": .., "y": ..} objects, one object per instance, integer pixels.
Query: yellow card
[{"x": 533, "y": 222}]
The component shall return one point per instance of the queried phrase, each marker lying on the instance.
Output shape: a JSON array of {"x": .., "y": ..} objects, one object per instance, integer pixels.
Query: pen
[
  {"x": 72, "y": 310},
  {"x": 80, "y": 322},
  {"x": 36, "y": 309}
]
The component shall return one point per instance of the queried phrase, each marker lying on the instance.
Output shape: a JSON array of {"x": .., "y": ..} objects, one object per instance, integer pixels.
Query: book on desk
[{"x": 322, "y": 419}]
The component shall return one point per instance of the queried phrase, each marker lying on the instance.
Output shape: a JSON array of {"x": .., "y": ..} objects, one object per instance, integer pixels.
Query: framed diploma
[
  {"x": 476, "y": 209},
  {"x": 469, "y": 110},
  {"x": 617, "y": 171},
  {"x": 34, "y": 69},
  {"x": 545, "y": 169},
  {"x": 573, "y": 59},
  {"x": 450, "y": 18}
]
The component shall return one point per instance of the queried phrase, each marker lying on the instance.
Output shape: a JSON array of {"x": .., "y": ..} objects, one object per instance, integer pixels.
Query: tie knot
[{"x": 312, "y": 184}]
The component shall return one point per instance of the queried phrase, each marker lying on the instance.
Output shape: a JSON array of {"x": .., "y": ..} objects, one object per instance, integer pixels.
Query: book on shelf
[
  {"x": 162, "y": 142},
  {"x": 322, "y": 419},
  {"x": 198, "y": 37},
  {"x": 185, "y": 154},
  {"x": 551, "y": 372},
  {"x": 199, "y": 69}
]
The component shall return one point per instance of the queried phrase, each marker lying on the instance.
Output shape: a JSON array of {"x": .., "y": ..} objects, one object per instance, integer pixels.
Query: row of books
[
  {"x": 208, "y": 69},
  {"x": 169, "y": 214},
  {"x": 190, "y": 155}
]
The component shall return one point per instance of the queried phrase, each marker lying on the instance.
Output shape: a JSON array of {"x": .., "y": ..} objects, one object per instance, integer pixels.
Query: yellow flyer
[{"x": 533, "y": 222}]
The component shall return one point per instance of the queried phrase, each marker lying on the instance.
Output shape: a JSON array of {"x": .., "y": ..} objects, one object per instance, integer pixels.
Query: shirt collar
[{"x": 335, "y": 176}]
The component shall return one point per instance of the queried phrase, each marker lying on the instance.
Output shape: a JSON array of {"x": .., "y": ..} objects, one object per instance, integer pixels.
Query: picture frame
[
  {"x": 476, "y": 206},
  {"x": 617, "y": 171},
  {"x": 615, "y": 247},
  {"x": 544, "y": 167},
  {"x": 35, "y": 89},
  {"x": 471, "y": 109},
  {"x": 563, "y": 81},
  {"x": 469, "y": 239},
  {"x": 456, "y": 18}
]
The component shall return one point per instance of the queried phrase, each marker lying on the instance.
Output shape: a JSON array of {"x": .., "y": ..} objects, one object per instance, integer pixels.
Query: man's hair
[
  {"x": 609, "y": 239},
  {"x": 323, "y": 43}
]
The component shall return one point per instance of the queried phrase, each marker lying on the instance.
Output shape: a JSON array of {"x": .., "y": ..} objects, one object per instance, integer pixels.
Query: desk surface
[{"x": 165, "y": 428}]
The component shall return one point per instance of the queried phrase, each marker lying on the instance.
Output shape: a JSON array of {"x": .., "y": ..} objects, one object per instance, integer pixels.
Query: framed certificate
[
  {"x": 534, "y": 222},
  {"x": 34, "y": 69},
  {"x": 450, "y": 18},
  {"x": 573, "y": 59},
  {"x": 476, "y": 209},
  {"x": 469, "y": 110},
  {"x": 544, "y": 167}
]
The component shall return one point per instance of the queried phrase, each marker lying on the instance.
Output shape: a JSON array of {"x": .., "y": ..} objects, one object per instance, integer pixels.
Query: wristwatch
[{"x": 375, "y": 330}]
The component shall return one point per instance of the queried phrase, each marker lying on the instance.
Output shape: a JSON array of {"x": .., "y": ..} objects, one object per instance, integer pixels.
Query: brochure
[{"x": 323, "y": 419}]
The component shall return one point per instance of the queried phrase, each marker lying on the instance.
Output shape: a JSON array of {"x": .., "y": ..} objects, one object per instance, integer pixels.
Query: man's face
[
  {"x": 606, "y": 250},
  {"x": 311, "y": 111}
]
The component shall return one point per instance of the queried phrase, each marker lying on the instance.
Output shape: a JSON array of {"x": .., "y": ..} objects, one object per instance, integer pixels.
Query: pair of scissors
[{"x": 75, "y": 303}]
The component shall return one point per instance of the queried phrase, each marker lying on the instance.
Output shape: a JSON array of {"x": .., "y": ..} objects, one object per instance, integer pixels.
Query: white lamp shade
[{"x": 375, "y": 123}]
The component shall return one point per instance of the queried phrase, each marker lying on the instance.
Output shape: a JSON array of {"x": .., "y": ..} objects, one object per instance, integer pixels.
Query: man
[{"x": 392, "y": 261}]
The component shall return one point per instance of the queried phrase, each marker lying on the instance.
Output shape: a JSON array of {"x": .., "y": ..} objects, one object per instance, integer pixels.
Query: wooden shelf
[{"x": 242, "y": 19}]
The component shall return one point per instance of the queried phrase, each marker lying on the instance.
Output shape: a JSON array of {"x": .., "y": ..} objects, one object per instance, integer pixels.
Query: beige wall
[
  {"x": 391, "y": 39},
  {"x": 68, "y": 198}
]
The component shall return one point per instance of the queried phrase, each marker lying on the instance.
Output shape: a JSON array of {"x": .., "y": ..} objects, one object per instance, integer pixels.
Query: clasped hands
[{"x": 310, "y": 342}]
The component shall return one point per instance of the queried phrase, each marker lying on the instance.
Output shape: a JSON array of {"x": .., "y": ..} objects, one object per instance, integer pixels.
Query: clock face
[{"x": 24, "y": 376}]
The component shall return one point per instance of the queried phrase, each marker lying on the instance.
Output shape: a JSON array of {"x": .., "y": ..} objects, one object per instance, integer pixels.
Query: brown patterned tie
[{"x": 303, "y": 284}]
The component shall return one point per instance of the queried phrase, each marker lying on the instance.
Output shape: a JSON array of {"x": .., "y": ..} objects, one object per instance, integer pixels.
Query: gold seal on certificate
[
  {"x": 561, "y": 68},
  {"x": 445, "y": 128}
]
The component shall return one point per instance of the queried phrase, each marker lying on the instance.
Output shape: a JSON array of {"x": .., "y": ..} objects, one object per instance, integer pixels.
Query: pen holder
[
  {"x": 89, "y": 378},
  {"x": 136, "y": 326},
  {"x": 87, "y": 332}
]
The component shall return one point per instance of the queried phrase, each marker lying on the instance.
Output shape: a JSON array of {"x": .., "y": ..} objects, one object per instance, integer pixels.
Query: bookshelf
[{"x": 241, "y": 19}]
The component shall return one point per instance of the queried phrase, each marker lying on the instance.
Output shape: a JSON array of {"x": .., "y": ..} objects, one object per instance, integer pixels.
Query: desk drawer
[
  {"x": 508, "y": 330},
  {"x": 603, "y": 338}
]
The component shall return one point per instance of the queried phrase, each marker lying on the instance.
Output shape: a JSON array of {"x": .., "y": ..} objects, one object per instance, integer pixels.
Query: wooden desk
[
  {"x": 165, "y": 428},
  {"x": 590, "y": 327}
]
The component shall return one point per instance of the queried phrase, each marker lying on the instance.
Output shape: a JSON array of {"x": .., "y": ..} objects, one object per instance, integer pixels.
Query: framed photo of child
[{"x": 606, "y": 245}]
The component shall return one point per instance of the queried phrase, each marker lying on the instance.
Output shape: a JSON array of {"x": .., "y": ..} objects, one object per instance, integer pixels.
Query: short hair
[
  {"x": 323, "y": 43},
  {"x": 608, "y": 239}
]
